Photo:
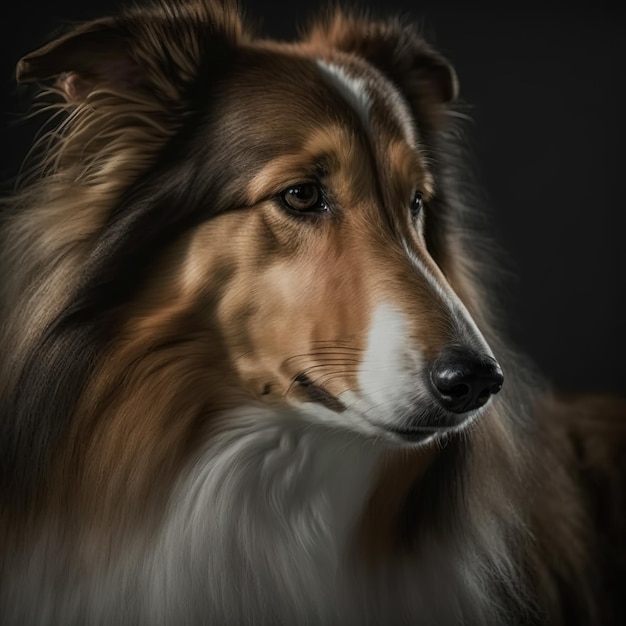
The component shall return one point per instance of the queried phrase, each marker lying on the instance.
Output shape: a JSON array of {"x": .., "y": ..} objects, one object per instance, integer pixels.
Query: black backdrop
[{"x": 546, "y": 85}]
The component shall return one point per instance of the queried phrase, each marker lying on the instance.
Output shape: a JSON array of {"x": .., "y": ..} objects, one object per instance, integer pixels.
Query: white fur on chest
[{"x": 260, "y": 530}]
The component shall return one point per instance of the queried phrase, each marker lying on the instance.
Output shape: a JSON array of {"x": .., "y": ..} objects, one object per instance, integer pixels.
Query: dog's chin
[
  {"x": 419, "y": 425},
  {"x": 426, "y": 427},
  {"x": 414, "y": 436}
]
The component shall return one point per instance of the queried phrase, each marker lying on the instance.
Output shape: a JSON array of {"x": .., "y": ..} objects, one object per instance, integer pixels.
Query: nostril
[
  {"x": 463, "y": 380},
  {"x": 458, "y": 391},
  {"x": 494, "y": 389},
  {"x": 483, "y": 396}
]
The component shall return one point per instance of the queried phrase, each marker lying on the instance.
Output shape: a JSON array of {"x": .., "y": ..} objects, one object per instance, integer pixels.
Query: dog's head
[{"x": 281, "y": 236}]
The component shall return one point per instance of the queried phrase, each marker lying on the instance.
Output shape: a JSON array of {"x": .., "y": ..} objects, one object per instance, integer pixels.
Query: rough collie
[{"x": 251, "y": 373}]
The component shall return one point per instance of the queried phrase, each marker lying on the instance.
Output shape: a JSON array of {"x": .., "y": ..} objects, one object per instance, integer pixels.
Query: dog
[{"x": 252, "y": 370}]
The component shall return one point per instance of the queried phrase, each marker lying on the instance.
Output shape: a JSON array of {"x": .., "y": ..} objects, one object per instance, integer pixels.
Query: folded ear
[
  {"x": 424, "y": 76},
  {"x": 154, "y": 46},
  {"x": 92, "y": 54}
]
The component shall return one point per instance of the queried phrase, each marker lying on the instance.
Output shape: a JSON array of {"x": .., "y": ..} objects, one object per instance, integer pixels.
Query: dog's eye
[
  {"x": 417, "y": 204},
  {"x": 304, "y": 198}
]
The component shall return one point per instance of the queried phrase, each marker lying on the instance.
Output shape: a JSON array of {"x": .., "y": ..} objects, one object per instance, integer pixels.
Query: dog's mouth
[
  {"x": 316, "y": 393},
  {"x": 413, "y": 433},
  {"x": 429, "y": 422},
  {"x": 426, "y": 425},
  {"x": 416, "y": 434}
]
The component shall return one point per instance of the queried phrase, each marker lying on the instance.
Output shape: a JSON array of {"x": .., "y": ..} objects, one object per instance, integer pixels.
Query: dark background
[{"x": 546, "y": 87}]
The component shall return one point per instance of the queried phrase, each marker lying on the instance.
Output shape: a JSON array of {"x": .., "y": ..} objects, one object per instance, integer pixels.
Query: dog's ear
[
  {"x": 93, "y": 54},
  {"x": 160, "y": 48},
  {"x": 425, "y": 77}
]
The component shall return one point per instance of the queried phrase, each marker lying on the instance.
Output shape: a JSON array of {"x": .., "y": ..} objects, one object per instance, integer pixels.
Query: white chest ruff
[
  {"x": 262, "y": 532},
  {"x": 259, "y": 530}
]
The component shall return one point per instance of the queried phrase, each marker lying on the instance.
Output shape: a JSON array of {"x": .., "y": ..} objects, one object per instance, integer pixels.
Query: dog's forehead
[
  {"x": 285, "y": 86},
  {"x": 276, "y": 101}
]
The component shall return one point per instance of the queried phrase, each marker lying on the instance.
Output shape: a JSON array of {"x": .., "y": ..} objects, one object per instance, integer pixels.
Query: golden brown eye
[{"x": 304, "y": 198}]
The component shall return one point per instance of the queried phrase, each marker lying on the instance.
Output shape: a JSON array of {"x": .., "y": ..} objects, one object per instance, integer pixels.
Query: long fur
[{"x": 149, "y": 474}]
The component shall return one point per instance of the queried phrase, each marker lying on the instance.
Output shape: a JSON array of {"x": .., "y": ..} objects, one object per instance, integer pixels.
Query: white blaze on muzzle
[{"x": 391, "y": 364}]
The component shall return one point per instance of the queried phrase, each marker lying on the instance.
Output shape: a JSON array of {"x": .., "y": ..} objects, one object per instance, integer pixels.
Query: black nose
[{"x": 464, "y": 380}]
